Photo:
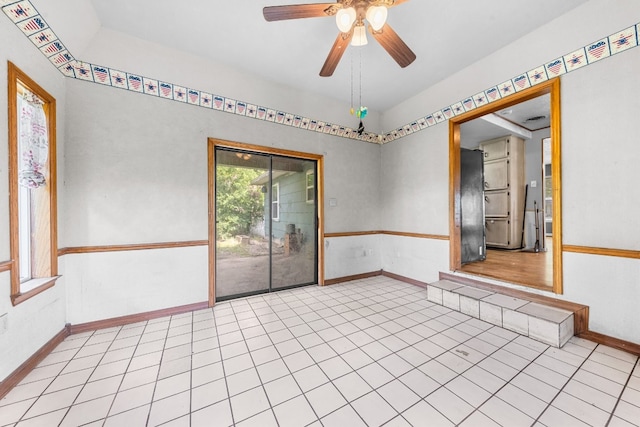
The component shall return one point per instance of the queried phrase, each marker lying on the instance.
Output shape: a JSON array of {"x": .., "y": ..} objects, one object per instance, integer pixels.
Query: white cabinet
[{"x": 504, "y": 191}]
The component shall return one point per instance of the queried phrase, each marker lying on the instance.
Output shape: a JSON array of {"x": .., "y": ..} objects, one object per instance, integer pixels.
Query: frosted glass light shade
[
  {"x": 377, "y": 16},
  {"x": 359, "y": 36},
  {"x": 345, "y": 19}
]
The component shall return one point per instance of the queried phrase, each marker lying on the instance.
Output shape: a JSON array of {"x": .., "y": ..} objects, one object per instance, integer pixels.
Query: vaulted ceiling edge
[{"x": 26, "y": 17}]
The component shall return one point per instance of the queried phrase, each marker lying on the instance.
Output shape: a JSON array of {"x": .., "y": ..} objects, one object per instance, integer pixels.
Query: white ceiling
[{"x": 445, "y": 35}]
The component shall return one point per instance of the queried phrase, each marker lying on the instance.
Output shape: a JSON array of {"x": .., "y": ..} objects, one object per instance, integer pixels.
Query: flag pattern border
[{"x": 26, "y": 17}]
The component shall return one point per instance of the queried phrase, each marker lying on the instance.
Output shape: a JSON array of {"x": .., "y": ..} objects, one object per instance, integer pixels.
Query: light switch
[
  {"x": 333, "y": 202},
  {"x": 534, "y": 184}
]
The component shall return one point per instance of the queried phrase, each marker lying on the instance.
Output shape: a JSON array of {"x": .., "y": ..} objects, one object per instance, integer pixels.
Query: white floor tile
[
  {"x": 419, "y": 383},
  {"x": 282, "y": 389},
  {"x": 535, "y": 387},
  {"x": 628, "y": 412},
  {"x": 237, "y": 364},
  {"x": 373, "y": 409},
  {"x": 25, "y": 391},
  {"x": 172, "y": 385},
  {"x": 375, "y": 375},
  {"x": 424, "y": 415},
  {"x": 580, "y": 409},
  {"x": 325, "y": 399},
  {"x": 84, "y": 413},
  {"x": 398, "y": 395},
  {"x": 294, "y": 412},
  {"x": 272, "y": 370},
  {"x": 357, "y": 359},
  {"x": 555, "y": 417},
  {"x": 590, "y": 395},
  {"x": 209, "y": 394},
  {"x": 505, "y": 414},
  {"x": 335, "y": 367},
  {"x": 523, "y": 401},
  {"x": 290, "y": 358},
  {"x": 53, "y": 401},
  {"x": 44, "y": 420},
  {"x": 207, "y": 374},
  {"x": 468, "y": 391},
  {"x": 135, "y": 418},
  {"x": 450, "y": 405},
  {"x": 345, "y": 416},
  {"x": 170, "y": 408},
  {"x": 263, "y": 419},
  {"x": 140, "y": 377},
  {"x": 13, "y": 412},
  {"x": 478, "y": 419},
  {"x": 249, "y": 403},
  {"x": 438, "y": 371},
  {"x": 242, "y": 381},
  {"x": 132, "y": 398}
]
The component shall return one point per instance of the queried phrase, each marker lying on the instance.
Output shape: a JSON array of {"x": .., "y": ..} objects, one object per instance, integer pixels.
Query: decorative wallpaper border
[{"x": 26, "y": 17}]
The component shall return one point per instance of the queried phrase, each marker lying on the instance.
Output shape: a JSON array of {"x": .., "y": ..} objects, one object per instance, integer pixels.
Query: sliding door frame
[{"x": 214, "y": 143}]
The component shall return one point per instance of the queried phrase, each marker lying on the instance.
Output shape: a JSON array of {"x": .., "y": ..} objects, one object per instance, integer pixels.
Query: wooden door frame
[
  {"x": 214, "y": 143},
  {"x": 551, "y": 87}
]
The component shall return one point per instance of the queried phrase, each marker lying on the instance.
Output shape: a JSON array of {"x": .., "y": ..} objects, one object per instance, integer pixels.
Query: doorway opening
[
  {"x": 512, "y": 240},
  {"x": 264, "y": 220}
]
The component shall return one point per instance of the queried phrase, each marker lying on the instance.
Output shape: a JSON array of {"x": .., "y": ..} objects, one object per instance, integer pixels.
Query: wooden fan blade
[
  {"x": 340, "y": 45},
  {"x": 394, "y": 45},
  {"x": 387, "y": 3},
  {"x": 296, "y": 11}
]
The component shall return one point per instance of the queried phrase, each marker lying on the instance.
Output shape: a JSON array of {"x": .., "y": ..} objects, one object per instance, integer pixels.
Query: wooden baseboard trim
[
  {"x": 135, "y": 318},
  {"x": 388, "y": 233},
  {"x": 599, "y": 338},
  {"x": 23, "y": 370},
  {"x": 6, "y": 266},
  {"x": 620, "y": 253},
  {"x": 134, "y": 247},
  {"x": 351, "y": 234},
  {"x": 335, "y": 281},
  {"x": 416, "y": 235},
  {"x": 580, "y": 312},
  {"x": 405, "y": 279}
]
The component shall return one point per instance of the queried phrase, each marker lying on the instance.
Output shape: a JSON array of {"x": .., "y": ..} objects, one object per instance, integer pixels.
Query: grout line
[
  {"x": 613, "y": 411},
  {"x": 387, "y": 297}
]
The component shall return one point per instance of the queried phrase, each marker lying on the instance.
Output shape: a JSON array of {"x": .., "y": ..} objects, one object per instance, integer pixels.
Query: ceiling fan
[{"x": 350, "y": 17}]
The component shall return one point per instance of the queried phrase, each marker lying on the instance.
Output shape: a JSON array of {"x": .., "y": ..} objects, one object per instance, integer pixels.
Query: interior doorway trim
[
  {"x": 214, "y": 143},
  {"x": 551, "y": 87}
]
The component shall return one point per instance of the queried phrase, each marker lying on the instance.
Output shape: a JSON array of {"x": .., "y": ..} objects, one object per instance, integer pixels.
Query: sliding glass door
[
  {"x": 266, "y": 223},
  {"x": 293, "y": 222}
]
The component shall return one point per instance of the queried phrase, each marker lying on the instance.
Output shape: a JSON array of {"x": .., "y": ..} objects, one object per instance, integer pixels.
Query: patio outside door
[{"x": 266, "y": 223}]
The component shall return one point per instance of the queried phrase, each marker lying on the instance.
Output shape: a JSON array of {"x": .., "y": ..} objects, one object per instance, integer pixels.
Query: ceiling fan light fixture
[
  {"x": 377, "y": 17},
  {"x": 359, "y": 35},
  {"x": 345, "y": 19}
]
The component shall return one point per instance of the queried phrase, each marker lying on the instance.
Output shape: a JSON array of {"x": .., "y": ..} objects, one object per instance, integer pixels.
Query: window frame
[
  {"x": 46, "y": 235},
  {"x": 275, "y": 202},
  {"x": 310, "y": 187}
]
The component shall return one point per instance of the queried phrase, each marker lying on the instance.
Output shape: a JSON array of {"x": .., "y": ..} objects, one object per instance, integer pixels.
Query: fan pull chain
[{"x": 352, "y": 111}]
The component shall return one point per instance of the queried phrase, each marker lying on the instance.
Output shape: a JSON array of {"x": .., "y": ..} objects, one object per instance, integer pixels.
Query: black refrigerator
[{"x": 472, "y": 231}]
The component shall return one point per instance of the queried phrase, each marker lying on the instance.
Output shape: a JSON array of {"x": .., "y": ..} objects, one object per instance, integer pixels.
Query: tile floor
[{"x": 365, "y": 353}]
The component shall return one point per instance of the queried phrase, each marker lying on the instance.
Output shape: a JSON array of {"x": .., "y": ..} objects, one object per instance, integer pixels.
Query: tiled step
[{"x": 550, "y": 325}]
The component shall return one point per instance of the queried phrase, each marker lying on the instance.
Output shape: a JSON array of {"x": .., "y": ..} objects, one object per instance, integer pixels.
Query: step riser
[{"x": 555, "y": 332}]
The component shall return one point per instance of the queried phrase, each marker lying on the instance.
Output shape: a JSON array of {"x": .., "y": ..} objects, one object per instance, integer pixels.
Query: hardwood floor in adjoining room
[{"x": 533, "y": 269}]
